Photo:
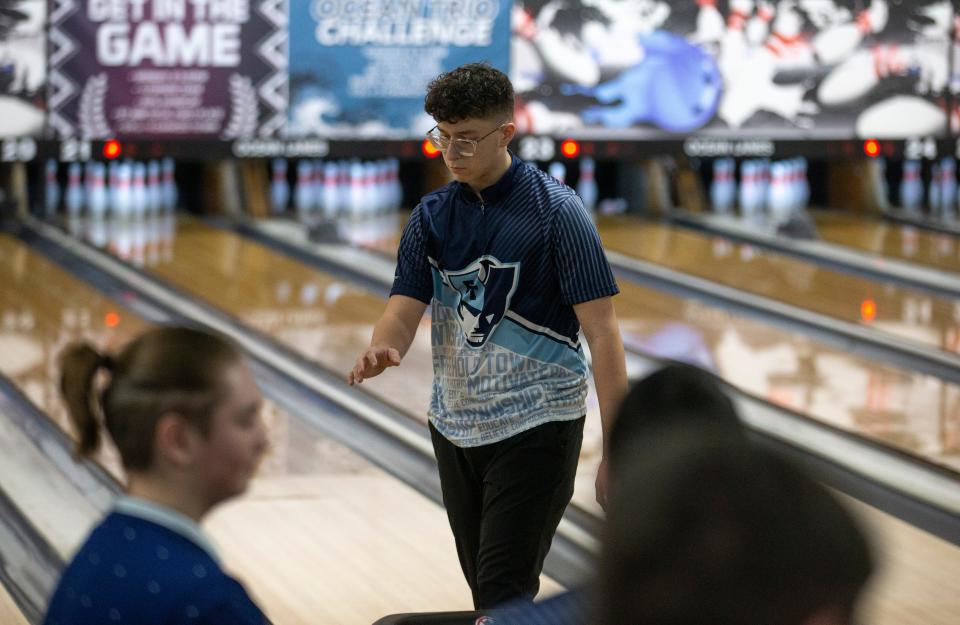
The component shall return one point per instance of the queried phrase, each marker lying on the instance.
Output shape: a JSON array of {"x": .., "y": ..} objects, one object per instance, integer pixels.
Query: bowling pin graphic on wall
[{"x": 762, "y": 68}]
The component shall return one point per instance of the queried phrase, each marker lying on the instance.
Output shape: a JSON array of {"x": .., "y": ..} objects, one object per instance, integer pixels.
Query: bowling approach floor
[
  {"x": 345, "y": 542},
  {"x": 9, "y": 612},
  {"x": 330, "y": 321}
]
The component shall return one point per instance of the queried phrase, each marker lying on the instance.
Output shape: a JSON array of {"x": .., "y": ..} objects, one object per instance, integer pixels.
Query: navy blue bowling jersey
[
  {"x": 135, "y": 571},
  {"x": 503, "y": 274}
]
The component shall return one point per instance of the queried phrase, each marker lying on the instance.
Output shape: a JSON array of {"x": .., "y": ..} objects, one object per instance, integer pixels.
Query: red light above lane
[
  {"x": 570, "y": 148},
  {"x": 111, "y": 149},
  {"x": 428, "y": 150},
  {"x": 871, "y": 147},
  {"x": 868, "y": 310}
]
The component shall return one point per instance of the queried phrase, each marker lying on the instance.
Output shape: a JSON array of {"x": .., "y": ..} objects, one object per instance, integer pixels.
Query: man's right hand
[{"x": 372, "y": 363}]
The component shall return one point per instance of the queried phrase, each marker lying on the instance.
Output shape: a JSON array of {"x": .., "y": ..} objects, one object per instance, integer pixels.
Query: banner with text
[
  {"x": 170, "y": 69},
  {"x": 360, "y": 68}
]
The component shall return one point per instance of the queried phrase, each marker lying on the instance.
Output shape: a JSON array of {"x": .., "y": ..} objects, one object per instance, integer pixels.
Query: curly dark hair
[{"x": 475, "y": 90}]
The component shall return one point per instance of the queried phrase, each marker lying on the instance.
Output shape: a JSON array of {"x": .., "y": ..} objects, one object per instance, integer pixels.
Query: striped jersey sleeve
[
  {"x": 413, "y": 277},
  {"x": 581, "y": 265}
]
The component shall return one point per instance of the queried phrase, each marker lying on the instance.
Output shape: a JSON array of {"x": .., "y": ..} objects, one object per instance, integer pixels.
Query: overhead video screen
[
  {"x": 167, "y": 69},
  {"x": 807, "y": 69},
  {"x": 23, "y": 67}
]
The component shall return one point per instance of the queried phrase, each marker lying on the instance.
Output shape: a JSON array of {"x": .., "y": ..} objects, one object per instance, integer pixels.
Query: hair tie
[{"x": 107, "y": 362}]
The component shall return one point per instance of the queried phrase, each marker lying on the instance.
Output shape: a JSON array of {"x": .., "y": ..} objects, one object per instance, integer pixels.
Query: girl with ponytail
[{"x": 182, "y": 409}]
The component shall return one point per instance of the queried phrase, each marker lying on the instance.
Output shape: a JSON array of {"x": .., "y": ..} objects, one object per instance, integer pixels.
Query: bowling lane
[
  {"x": 915, "y": 413},
  {"x": 892, "y": 240},
  {"x": 318, "y": 538},
  {"x": 10, "y": 614},
  {"x": 914, "y": 315}
]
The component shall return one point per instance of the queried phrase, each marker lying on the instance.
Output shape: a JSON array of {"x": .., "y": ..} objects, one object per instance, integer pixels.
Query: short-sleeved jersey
[
  {"x": 132, "y": 571},
  {"x": 503, "y": 274}
]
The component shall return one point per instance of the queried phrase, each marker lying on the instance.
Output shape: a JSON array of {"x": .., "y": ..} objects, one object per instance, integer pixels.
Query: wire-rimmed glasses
[{"x": 464, "y": 147}]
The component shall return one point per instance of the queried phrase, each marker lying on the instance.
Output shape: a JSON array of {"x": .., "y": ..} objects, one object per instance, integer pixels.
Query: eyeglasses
[{"x": 465, "y": 147}]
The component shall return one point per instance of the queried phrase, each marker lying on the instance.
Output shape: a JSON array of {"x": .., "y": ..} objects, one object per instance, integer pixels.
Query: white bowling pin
[
  {"x": 834, "y": 44},
  {"x": 587, "y": 183},
  {"x": 303, "y": 192},
  {"x": 710, "y": 23},
  {"x": 51, "y": 196},
  {"x": 74, "y": 195},
  {"x": 279, "y": 186},
  {"x": 97, "y": 198},
  {"x": 559, "y": 171},
  {"x": 154, "y": 187},
  {"x": 860, "y": 73},
  {"x": 331, "y": 196},
  {"x": 933, "y": 191},
  {"x": 170, "y": 191},
  {"x": 911, "y": 186},
  {"x": 901, "y": 117}
]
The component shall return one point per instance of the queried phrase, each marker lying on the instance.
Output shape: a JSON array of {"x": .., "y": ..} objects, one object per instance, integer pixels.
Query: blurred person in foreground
[
  {"x": 712, "y": 530},
  {"x": 183, "y": 410}
]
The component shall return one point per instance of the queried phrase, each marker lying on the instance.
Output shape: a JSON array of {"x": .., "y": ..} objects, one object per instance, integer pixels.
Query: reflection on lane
[
  {"x": 902, "y": 242},
  {"x": 906, "y": 313},
  {"x": 314, "y": 502}
]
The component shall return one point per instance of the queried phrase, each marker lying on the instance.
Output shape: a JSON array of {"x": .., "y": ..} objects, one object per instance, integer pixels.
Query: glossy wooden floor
[
  {"x": 889, "y": 239},
  {"x": 910, "y": 314},
  {"x": 323, "y": 536},
  {"x": 916, "y": 413},
  {"x": 9, "y": 612},
  {"x": 336, "y": 549}
]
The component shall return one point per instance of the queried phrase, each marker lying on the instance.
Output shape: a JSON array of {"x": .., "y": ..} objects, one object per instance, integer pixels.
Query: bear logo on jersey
[{"x": 485, "y": 288}]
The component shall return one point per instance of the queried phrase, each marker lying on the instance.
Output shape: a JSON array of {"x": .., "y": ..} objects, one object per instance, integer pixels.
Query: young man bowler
[{"x": 513, "y": 268}]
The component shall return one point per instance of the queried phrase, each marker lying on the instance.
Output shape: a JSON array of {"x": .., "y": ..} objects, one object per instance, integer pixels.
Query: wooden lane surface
[
  {"x": 323, "y": 536},
  {"x": 915, "y": 413},
  {"x": 892, "y": 240},
  {"x": 10, "y": 614},
  {"x": 915, "y": 315},
  {"x": 915, "y": 580}
]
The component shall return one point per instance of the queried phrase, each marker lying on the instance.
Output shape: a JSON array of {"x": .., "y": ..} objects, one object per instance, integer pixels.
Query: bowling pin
[
  {"x": 948, "y": 185},
  {"x": 710, "y": 23},
  {"x": 835, "y": 43},
  {"x": 97, "y": 197},
  {"x": 154, "y": 187},
  {"x": 51, "y": 196},
  {"x": 723, "y": 187},
  {"x": 279, "y": 187},
  {"x": 911, "y": 186},
  {"x": 170, "y": 192},
  {"x": 856, "y": 76},
  {"x": 74, "y": 196},
  {"x": 933, "y": 191},
  {"x": 303, "y": 192},
  {"x": 587, "y": 184},
  {"x": 330, "y": 197},
  {"x": 139, "y": 191},
  {"x": 901, "y": 117},
  {"x": 559, "y": 171}
]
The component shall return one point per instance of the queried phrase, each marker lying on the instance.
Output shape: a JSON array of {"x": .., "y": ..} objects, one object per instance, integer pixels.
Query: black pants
[{"x": 504, "y": 502}]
